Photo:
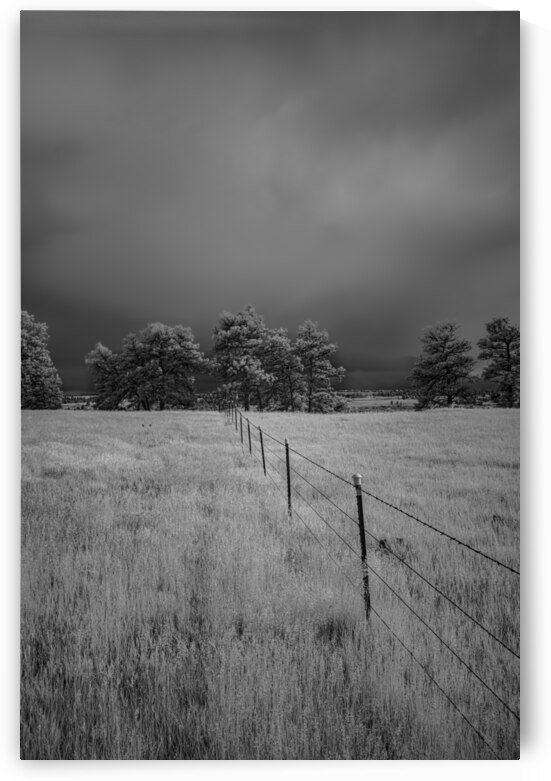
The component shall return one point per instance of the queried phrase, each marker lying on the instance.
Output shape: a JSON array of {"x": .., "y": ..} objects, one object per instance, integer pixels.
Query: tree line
[
  {"x": 442, "y": 374},
  {"x": 263, "y": 367},
  {"x": 254, "y": 364}
]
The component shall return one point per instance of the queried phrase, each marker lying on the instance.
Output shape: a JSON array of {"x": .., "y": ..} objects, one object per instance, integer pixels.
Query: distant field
[
  {"x": 368, "y": 403},
  {"x": 170, "y": 608}
]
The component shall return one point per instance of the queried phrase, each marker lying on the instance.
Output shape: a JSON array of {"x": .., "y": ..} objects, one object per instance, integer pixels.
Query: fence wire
[
  {"x": 412, "y": 569},
  {"x": 385, "y": 502},
  {"x": 263, "y": 448},
  {"x": 356, "y": 586}
]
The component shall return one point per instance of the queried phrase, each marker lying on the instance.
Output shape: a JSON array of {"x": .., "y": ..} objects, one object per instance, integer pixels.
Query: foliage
[
  {"x": 266, "y": 369},
  {"x": 501, "y": 347},
  {"x": 40, "y": 382},
  {"x": 441, "y": 375},
  {"x": 106, "y": 371},
  {"x": 284, "y": 366},
  {"x": 238, "y": 345},
  {"x": 315, "y": 350},
  {"x": 220, "y": 398},
  {"x": 154, "y": 370}
]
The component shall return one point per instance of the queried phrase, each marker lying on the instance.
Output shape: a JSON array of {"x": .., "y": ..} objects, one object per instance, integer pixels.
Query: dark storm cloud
[
  {"x": 361, "y": 170},
  {"x": 416, "y": 72},
  {"x": 41, "y": 164}
]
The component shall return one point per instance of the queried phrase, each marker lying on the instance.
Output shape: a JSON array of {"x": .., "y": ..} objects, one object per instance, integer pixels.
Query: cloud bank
[{"x": 361, "y": 170}]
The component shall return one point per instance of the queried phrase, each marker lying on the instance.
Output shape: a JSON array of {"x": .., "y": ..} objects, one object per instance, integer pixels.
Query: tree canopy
[
  {"x": 264, "y": 367},
  {"x": 40, "y": 381},
  {"x": 238, "y": 347},
  {"x": 442, "y": 373},
  {"x": 154, "y": 370},
  {"x": 315, "y": 351},
  {"x": 259, "y": 366},
  {"x": 501, "y": 347}
]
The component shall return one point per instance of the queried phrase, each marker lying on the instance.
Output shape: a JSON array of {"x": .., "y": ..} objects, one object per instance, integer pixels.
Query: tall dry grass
[{"x": 170, "y": 609}]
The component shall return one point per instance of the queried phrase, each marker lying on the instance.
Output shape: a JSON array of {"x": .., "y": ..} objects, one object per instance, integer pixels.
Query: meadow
[{"x": 171, "y": 608}]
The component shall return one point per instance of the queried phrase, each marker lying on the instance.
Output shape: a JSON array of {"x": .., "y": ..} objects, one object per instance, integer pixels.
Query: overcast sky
[{"x": 360, "y": 170}]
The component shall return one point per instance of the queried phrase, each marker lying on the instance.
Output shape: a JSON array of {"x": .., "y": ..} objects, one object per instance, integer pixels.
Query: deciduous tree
[
  {"x": 442, "y": 373},
  {"x": 40, "y": 381},
  {"x": 154, "y": 370},
  {"x": 501, "y": 347},
  {"x": 160, "y": 364}
]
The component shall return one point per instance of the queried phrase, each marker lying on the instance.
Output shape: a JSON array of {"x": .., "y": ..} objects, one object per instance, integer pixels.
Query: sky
[{"x": 361, "y": 170}]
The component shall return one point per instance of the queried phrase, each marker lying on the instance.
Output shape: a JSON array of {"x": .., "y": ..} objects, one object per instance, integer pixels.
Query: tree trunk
[{"x": 292, "y": 395}]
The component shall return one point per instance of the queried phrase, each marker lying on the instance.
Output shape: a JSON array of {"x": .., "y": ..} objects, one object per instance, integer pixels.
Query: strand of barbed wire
[
  {"x": 387, "y": 548},
  {"x": 407, "y": 605},
  {"x": 355, "y": 586},
  {"x": 388, "y": 504}
]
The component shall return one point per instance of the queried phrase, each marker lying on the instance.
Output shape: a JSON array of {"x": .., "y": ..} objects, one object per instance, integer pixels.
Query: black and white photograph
[{"x": 270, "y": 294}]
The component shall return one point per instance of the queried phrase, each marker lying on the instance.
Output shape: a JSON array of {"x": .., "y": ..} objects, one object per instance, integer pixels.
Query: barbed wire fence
[{"x": 284, "y": 476}]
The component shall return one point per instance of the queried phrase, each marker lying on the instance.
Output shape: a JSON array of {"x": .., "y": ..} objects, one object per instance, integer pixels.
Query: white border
[{"x": 536, "y": 173}]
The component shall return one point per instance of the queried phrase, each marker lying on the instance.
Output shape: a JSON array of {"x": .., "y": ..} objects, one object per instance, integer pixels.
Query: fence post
[
  {"x": 249, "y": 433},
  {"x": 262, "y": 449},
  {"x": 288, "y": 462},
  {"x": 235, "y": 408},
  {"x": 357, "y": 480},
  {"x": 241, "y": 426}
]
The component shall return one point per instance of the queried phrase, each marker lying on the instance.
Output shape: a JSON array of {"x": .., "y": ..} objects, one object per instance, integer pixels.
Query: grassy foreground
[{"x": 170, "y": 608}]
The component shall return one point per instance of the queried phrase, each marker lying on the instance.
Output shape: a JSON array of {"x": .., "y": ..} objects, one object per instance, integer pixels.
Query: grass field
[{"x": 170, "y": 608}]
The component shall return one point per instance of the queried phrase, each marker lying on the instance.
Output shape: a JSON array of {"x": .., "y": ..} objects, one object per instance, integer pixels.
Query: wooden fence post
[
  {"x": 357, "y": 480},
  {"x": 262, "y": 449},
  {"x": 249, "y": 433},
  {"x": 288, "y": 462},
  {"x": 241, "y": 426}
]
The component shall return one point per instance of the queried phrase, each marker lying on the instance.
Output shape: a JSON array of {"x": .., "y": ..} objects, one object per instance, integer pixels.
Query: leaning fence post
[
  {"x": 262, "y": 449},
  {"x": 249, "y": 433},
  {"x": 357, "y": 479},
  {"x": 288, "y": 462}
]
